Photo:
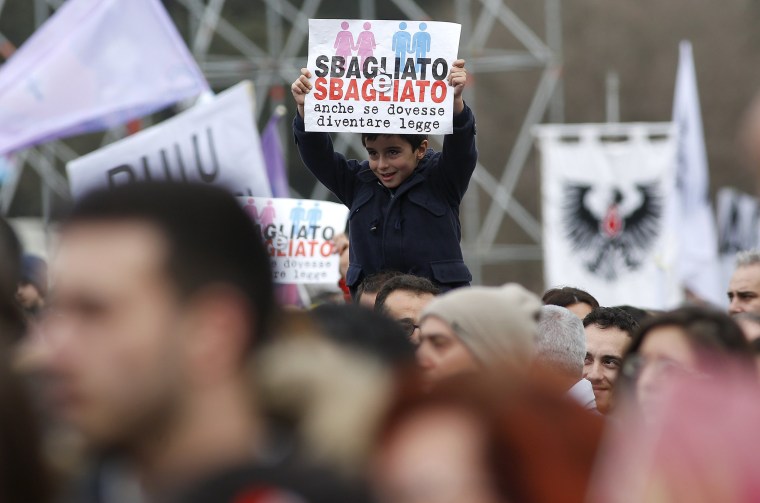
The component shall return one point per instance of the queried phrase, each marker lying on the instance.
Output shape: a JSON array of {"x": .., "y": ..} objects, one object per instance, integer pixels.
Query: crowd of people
[{"x": 159, "y": 368}]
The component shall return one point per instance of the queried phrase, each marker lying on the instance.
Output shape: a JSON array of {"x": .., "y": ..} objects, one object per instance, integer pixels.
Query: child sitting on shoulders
[{"x": 404, "y": 200}]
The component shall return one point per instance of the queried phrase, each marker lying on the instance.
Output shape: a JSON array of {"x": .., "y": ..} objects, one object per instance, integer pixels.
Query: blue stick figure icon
[
  {"x": 314, "y": 215},
  {"x": 297, "y": 214},
  {"x": 402, "y": 42},
  {"x": 421, "y": 44}
]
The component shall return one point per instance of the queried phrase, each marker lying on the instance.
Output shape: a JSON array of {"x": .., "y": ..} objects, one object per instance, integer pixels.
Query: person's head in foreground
[
  {"x": 577, "y": 301},
  {"x": 161, "y": 291},
  {"x": 750, "y": 325},
  {"x": 685, "y": 344},
  {"x": 700, "y": 446},
  {"x": 403, "y": 298},
  {"x": 327, "y": 375},
  {"x": 744, "y": 286},
  {"x": 608, "y": 334},
  {"x": 491, "y": 329},
  {"x": 24, "y": 474},
  {"x": 475, "y": 441}
]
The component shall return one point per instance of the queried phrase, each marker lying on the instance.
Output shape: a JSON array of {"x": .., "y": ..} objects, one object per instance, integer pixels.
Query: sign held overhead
[{"x": 381, "y": 76}]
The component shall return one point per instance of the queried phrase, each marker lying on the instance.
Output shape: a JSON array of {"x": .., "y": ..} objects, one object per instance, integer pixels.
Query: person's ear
[
  {"x": 221, "y": 324},
  {"x": 421, "y": 150}
]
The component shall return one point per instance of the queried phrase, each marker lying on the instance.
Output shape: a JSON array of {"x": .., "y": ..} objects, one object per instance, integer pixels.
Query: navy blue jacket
[{"x": 416, "y": 230}]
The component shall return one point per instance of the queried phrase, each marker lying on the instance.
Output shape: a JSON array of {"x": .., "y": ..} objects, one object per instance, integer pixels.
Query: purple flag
[
  {"x": 95, "y": 64},
  {"x": 271, "y": 148}
]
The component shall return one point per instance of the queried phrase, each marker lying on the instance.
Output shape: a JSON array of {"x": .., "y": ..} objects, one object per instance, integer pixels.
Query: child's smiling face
[{"x": 392, "y": 159}]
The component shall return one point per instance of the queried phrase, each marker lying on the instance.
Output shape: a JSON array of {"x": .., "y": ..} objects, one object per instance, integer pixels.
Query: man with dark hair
[
  {"x": 403, "y": 298},
  {"x": 380, "y": 337},
  {"x": 638, "y": 314},
  {"x": 160, "y": 293},
  {"x": 371, "y": 285},
  {"x": 608, "y": 334}
]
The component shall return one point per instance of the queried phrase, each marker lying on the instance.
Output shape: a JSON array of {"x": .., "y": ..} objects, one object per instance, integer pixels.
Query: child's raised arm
[
  {"x": 331, "y": 168},
  {"x": 300, "y": 88},
  {"x": 457, "y": 80},
  {"x": 459, "y": 155}
]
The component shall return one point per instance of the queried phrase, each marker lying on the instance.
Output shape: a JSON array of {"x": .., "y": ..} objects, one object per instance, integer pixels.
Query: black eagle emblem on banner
[{"x": 613, "y": 242}]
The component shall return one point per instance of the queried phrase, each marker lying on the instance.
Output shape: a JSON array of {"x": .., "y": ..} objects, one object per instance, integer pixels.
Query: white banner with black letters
[
  {"x": 608, "y": 211},
  {"x": 299, "y": 235},
  {"x": 214, "y": 142},
  {"x": 381, "y": 76}
]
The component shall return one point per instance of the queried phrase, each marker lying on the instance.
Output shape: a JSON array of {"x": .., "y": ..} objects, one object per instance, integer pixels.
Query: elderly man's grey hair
[
  {"x": 748, "y": 257},
  {"x": 561, "y": 341}
]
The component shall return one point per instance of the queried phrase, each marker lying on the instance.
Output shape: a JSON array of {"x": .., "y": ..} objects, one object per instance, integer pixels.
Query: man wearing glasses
[{"x": 403, "y": 298}]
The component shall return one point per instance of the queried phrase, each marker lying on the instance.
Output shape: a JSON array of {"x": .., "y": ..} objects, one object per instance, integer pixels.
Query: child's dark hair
[{"x": 415, "y": 140}]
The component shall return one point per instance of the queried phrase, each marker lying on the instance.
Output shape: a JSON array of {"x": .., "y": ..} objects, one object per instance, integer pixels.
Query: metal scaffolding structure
[{"x": 274, "y": 61}]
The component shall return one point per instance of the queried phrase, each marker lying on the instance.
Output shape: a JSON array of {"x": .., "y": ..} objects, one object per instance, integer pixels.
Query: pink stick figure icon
[
  {"x": 251, "y": 209},
  {"x": 344, "y": 42},
  {"x": 267, "y": 215},
  {"x": 365, "y": 44}
]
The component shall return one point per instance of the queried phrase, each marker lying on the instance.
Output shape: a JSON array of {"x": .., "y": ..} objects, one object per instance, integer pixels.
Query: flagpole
[{"x": 612, "y": 87}]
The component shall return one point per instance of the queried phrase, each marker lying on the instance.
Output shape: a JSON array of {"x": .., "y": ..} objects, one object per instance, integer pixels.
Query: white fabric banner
[
  {"x": 608, "y": 220},
  {"x": 214, "y": 142},
  {"x": 698, "y": 261},
  {"x": 738, "y": 229},
  {"x": 95, "y": 64},
  {"x": 381, "y": 76},
  {"x": 299, "y": 236}
]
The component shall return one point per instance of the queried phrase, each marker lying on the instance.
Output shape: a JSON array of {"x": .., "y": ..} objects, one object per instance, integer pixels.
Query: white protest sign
[
  {"x": 298, "y": 234},
  {"x": 381, "y": 76},
  {"x": 214, "y": 142}
]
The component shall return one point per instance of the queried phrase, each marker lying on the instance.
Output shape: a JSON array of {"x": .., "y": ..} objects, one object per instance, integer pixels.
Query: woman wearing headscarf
[{"x": 477, "y": 329}]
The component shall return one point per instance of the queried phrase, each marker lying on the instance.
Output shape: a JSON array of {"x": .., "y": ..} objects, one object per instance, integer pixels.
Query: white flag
[
  {"x": 95, "y": 64},
  {"x": 608, "y": 224},
  {"x": 214, "y": 142},
  {"x": 699, "y": 267}
]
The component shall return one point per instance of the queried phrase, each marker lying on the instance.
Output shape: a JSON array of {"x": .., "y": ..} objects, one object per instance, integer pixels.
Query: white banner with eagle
[{"x": 609, "y": 211}]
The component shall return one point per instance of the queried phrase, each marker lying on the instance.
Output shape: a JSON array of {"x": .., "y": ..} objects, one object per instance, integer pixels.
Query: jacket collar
[{"x": 415, "y": 178}]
